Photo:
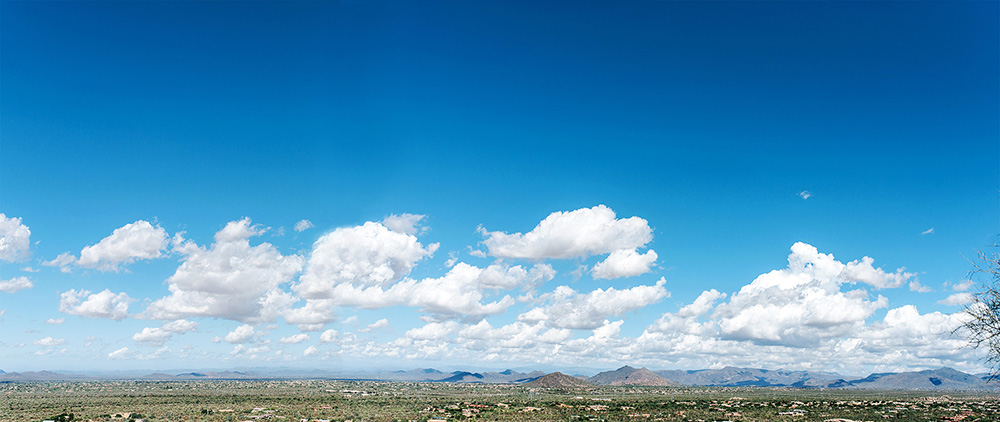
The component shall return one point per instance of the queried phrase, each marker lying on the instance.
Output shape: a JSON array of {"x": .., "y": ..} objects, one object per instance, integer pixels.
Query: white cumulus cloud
[
  {"x": 241, "y": 334},
  {"x": 958, "y": 299},
  {"x": 63, "y": 261},
  {"x": 55, "y": 321},
  {"x": 506, "y": 277},
  {"x": 581, "y": 233},
  {"x": 131, "y": 242},
  {"x": 15, "y": 239},
  {"x": 624, "y": 263},
  {"x": 365, "y": 256},
  {"x": 404, "y": 223},
  {"x": 804, "y": 303},
  {"x": 16, "y": 284},
  {"x": 156, "y": 336},
  {"x": 231, "y": 279},
  {"x": 382, "y": 323},
  {"x": 568, "y": 308},
  {"x": 433, "y": 331},
  {"x": 329, "y": 336},
  {"x": 963, "y": 286},
  {"x": 105, "y": 304}
]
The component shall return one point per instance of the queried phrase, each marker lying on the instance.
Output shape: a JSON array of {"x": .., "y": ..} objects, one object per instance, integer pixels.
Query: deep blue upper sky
[{"x": 705, "y": 118}]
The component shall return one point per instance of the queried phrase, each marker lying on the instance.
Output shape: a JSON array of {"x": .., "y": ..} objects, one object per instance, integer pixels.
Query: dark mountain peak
[
  {"x": 431, "y": 371},
  {"x": 506, "y": 372}
]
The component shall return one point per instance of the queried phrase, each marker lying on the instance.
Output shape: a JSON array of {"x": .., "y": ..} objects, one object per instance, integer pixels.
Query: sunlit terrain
[{"x": 357, "y": 401}]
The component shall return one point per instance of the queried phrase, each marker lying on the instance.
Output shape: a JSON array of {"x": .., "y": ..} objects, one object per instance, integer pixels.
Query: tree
[{"x": 983, "y": 326}]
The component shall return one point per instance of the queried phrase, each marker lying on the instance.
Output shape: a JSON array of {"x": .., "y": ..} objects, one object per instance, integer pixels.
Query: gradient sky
[{"x": 494, "y": 184}]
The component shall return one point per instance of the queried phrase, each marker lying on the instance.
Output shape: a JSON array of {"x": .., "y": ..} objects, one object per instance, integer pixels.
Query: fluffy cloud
[
  {"x": 505, "y": 277},
  {"x": 365, "y": 266},
  {"x": 433, "y": 331},
  {"x": 241, "y": 334},
  {"x": 49, "y": 342},
  {"x": 907, "y": 335},
  {"x": 329, "y": 336},
  {"x": 15, "y": 239},
  {"x": 310, "y": 351},
  {"x": 369, "y": 255},
  {"x": 915, "y": 286},
  {"x": 16, "y": 284},
  {"x": 303, "y": 225},
  {"x": 958, "y": 299},
  {"x": 624, "y": 263},
  {"x": 830, "y": 329},
  {"x": 456, "y": 293},
  {"x": 803, "y": 303},
  {"x": 231, "y": 279},
  {"x": 55, "y": 321},
  {"x": 572, "y": 234},
  {"x": 686, "y": 319},
  {"x": 404, "y": 223},
  {"x": 382, "y": 323},
  {"x": 459, "y": 293},
  {"x": 158, "y": 336},
  {"x": 313, "y": 316},
  {"x": 569, "y": 309},
  {"x": 98, "y": 305},
  {"x": 295, "y": 339},
  {"x": 963, "y": 286},
  {"x": 131, "y": 242},
  {"x": 62, "y": 261}
]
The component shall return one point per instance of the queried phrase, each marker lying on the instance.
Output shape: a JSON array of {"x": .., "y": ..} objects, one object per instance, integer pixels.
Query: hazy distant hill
[
  {"x": 39, "y": 376},
  {"x": 735, "y": 377},
  {"x": 937, "y": 379},
  {"x": 433, "y": 375},
  {"x": 559, "y": 380},
  {"x": 628, "y": 375}
]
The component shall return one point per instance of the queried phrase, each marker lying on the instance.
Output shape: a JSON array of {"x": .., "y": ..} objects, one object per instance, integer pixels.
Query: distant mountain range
[
  {"x": 740, "y": 377},
  {"x": 937, "y": 379}
]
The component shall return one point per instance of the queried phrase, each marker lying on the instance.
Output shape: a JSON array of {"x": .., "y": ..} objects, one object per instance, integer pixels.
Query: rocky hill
[
  {"x": 559, "y": 380},
  {"x": 628, "y": 375}
]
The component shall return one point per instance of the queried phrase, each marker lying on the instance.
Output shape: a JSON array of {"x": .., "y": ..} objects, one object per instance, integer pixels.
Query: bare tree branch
[{"x": 983, "y": 326}]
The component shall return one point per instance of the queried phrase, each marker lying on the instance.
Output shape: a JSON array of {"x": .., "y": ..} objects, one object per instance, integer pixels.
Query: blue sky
[{"x": 733, "y": 131}]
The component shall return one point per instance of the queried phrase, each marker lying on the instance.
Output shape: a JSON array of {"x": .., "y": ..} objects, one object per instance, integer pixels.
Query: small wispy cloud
[
  {"x": 303, "y": 225},
  {"x": 805, "y": 194},
  {"x": 927, "y": 232},
  {"x": 915, "y": 286}
]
